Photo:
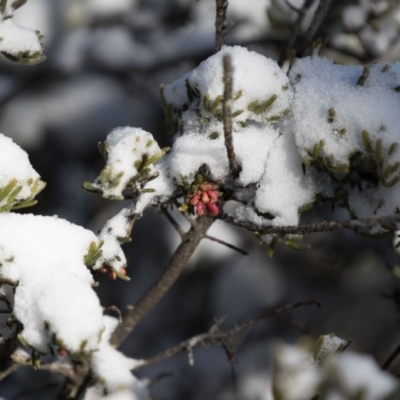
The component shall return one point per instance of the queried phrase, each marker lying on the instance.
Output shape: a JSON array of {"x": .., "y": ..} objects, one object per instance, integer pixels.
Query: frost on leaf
[
  {"x": 19, "y": 182},
  {"x": 130, "y": 154},
  {"x": 17, "y": 43},
  {"x": 44, "y": 258}
]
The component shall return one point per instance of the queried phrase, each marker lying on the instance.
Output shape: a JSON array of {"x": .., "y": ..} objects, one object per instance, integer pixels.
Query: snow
[
  {"x": 130, "y": 154},
  {"x": 44, "y": 257},
  {"x": 292, "y": 138},
  {"x": 19, "y": 182},
  {"x": 17, "y": 37},
  {"x": 115, "y": 231},
  {"x": 340, "y": 113},
  {"x": 18, "y": 43},
  {"x": 159, "y": 190},
  {"x": 282, "y": 179},
  {"x": 54, "y": 300},
  {"x": 259, "y": 87},
  {"x": 299, "y": 375},
  {"x": 296, "y": 378},
  {"x": 191, "y": 151},
  {"x": 354, "y": 373},
  {"x": 113, "y": 368},
  {"x": 252, "y": 146},
  {"x": 327, "y": 345},
  {"x": 266, "y": 154}
]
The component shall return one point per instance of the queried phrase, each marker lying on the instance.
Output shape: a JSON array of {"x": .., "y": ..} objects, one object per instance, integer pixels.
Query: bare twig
[
  {"x": 289, "y": 49},
  {"x": 222, "y": 26},
  {"x": 319, "y": 16},
  {"x": 227, "y": 114},
  {"x": 216, "y": 336},
  {"x": 54, "y": 367},
  {"x": 77, "y": 383},
  {"x": 231, "y": 246},
  {"x": 303, "y": 329},
  {"x": 114, "y": 309},
  {"x": 135, "y": 313},
  {"x": 391, "y": 358},
  {"x": 389, "y": 222},
  {"x": 174, "y": 223},
  {"x": 13, "y": 367}
]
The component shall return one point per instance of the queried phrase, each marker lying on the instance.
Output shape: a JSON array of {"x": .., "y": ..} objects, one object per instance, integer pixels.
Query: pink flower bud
[
  {"x": 213, "y": 194},
  {"x": 213, "y": 208},
  {"x": 205, "y": 198},
  {"x": 206, "y": 186},
  {"x": 200, "y": 208},
  {"x": 195, "y": 199},
  {"x": 112, "y": 275}
]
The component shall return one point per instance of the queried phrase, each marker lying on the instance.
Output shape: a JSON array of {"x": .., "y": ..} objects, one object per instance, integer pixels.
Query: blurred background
[{"x": 105, "y": 62}]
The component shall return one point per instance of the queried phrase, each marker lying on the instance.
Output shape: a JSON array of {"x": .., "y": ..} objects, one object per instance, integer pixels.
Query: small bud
[
  {"x": 195, "y": 199},
  {"x": 205, "y": 198},
  {"x": 206, "y": 186},
  {"x": 213, "y": 195},
  {"x": 112, "y": 275},
  {"x": 200, "y": 208},
  {"x": 213, "y": 208}
]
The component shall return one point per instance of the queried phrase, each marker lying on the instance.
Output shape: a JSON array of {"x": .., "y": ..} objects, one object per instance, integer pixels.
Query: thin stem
[
  {"x": 8, "y": 371},
  {"x": 391, "y": 358},
  {"x": 230, "y": 246},
  {"x": 221, "y": 25},
  {"x": 227, "y": 114},
  {"x": 179, "y": 260},
  {"x": 319, "y": 16},
  {"x": 215, "y": 335},
  {"x": 57, "y": 368},
  {"x": 173, "y": 222},
  {"x": 289, "y": 49},
  {"x": 389, "y": 222}
]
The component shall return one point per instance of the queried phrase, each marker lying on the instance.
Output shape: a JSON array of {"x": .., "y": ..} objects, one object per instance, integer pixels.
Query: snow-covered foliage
[
  {"x": 19, "y": 182},
  {"x": 262, "y": 99},
  {"x": 130, "y": 153},
  {"x": 44, "y": 260},
  {"x": 112, "y": 368},
  {"x": 260, "y": 92},
  {"x": 347, "y": 127},
  {"x": 329, "y": 374},
  {"x": 323, "y": 132},
  {"x": 18, "y": 43},
  {"x": 44, "y": 275},
  {"x": 296, "y": 140},
  {"x": 115, "y": 232}
]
